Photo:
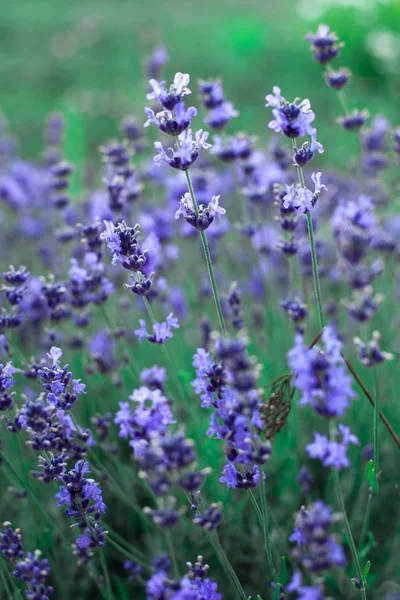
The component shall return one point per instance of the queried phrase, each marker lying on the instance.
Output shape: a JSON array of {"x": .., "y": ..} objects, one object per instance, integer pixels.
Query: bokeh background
[{"x": 85, "y": 57}]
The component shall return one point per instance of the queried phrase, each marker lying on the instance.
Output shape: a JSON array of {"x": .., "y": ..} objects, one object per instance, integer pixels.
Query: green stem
[
  {"x": 208, "y": 259},
  {"x": 106, "y": 574},
  {"x": 226, "y": 565},
  {"x": 263, "y": 518},
  {"x": 311, "y": 239},
  {"x": 126, "y": 553},
  {"x": 339, "y": 493},
  {"x": 365, "y": 522},
  {"x": 315, "y": 269},
  {"x": 376, "y": 424},
  {"x": 4, "y": 578},
  {"x": 171, "y": 552}
]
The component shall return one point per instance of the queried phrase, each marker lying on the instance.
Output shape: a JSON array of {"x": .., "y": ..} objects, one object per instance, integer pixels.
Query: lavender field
[{"x": 199, "y": 347}]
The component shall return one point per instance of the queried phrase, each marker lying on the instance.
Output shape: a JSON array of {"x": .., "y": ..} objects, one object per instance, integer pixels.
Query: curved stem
[
  {"x": 126, "y": 553},
  {"x": 311, "y": 239},
  {"x": 171, "y": 551},
  {"x": 365, "y": 522},
  {"x": 264, "y": 522},
  {"x": 376, "y": 424},
  {"x": 315, "y": 269},
  {"x": 226, "y": 565},
  {"x": 339, "y": 493},
  {"x": 207, "y": 255},
  {"x": 106, "y": 574}
]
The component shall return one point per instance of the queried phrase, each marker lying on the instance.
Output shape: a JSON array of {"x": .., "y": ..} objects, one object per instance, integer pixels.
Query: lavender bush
[{"x": 195, "y": 403}]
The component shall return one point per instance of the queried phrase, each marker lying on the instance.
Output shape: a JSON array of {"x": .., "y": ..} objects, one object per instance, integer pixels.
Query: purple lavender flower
[
  {"x": 212, "y": 93},
  {"x": 230, "y": 385},
  {"x": 317, "y": 548},
  {"x": 34, "y": 571},
  {"x": 193, "y": 586},
  {"x": 324, "y": 46},
  {"x": 305, "y": 478},
  {"x": 297, "y": 310},
  {"x": 133, "y": 568},
  {"x": 302, "y": 199},
  {"x": 155, "y": 62},
  {"x": 154, "y": 377},
  {"x": 57, "y": 382},
  {"x": 6, "y": 376},
  {"x": 307, "y": 151},
  {"x": 123, "y": 243},
  {"x": 54, "y": 131},
  {"x": 235, "y": 479},
  {"x": 152, "y": 414},
  {"x": 292, "y": 119},
  {"x": 332, "y": 453},
  {"x": 236, "y": 147},
  {"x": 84, "y": 503},
  {"x": 303, "y": 592},
  {"x": 209, "y": 519},
  {"x": 186, "y": 152},
  {"x": 219, "y": 116},
  {"x": 170, "y": 98},
  {"x": 28, "y": 567},
  {"x": 354, "y": 120},
  {"x": 161, "y": 331},
  {"x": 337, "y": 79},
  {"x": 10, "y": 542},
  {"x": 205, "y": 215},
  {"x": 321, "y": 376},
  {"x": 173, "y": 123},
  {"x": 370, "y": 353}
]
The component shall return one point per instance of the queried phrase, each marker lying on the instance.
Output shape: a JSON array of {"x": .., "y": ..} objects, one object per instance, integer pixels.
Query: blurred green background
[{"x": 86, "y": 57}]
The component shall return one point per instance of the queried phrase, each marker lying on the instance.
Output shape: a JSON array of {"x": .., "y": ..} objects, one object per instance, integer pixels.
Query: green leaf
[
  {"x": 277, "y": 592},
  {"x": 366, "y": 571},
  {"x": 372, "y": 478},
  {"x": 283, "y": 572}
]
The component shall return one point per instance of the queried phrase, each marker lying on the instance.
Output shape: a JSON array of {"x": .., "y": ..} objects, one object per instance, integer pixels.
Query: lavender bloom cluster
[
  {"x": 227, "y": 381},
  {"x": 28, "y": 567}
]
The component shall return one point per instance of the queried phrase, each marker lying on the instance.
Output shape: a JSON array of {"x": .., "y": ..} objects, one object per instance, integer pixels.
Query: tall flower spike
[{"x": 321, "y": 377}]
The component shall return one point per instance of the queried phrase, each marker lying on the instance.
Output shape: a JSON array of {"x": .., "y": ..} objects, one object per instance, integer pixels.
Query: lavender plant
[{"x": 222, "y": 415}]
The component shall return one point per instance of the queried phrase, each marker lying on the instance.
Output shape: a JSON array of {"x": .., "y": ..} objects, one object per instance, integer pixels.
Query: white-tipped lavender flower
[
  {"x": 302, "y": 199},
  {"x": 370, "y": 353},
  {"x": 173, "y": 123},
  {"x": 205, "y": 215},
  {"x": 170, "y": 98},
  {"x": 184, "y": 154},
  {"x": 291, "y": 118},
  {"x": 324, "y": 46}
]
